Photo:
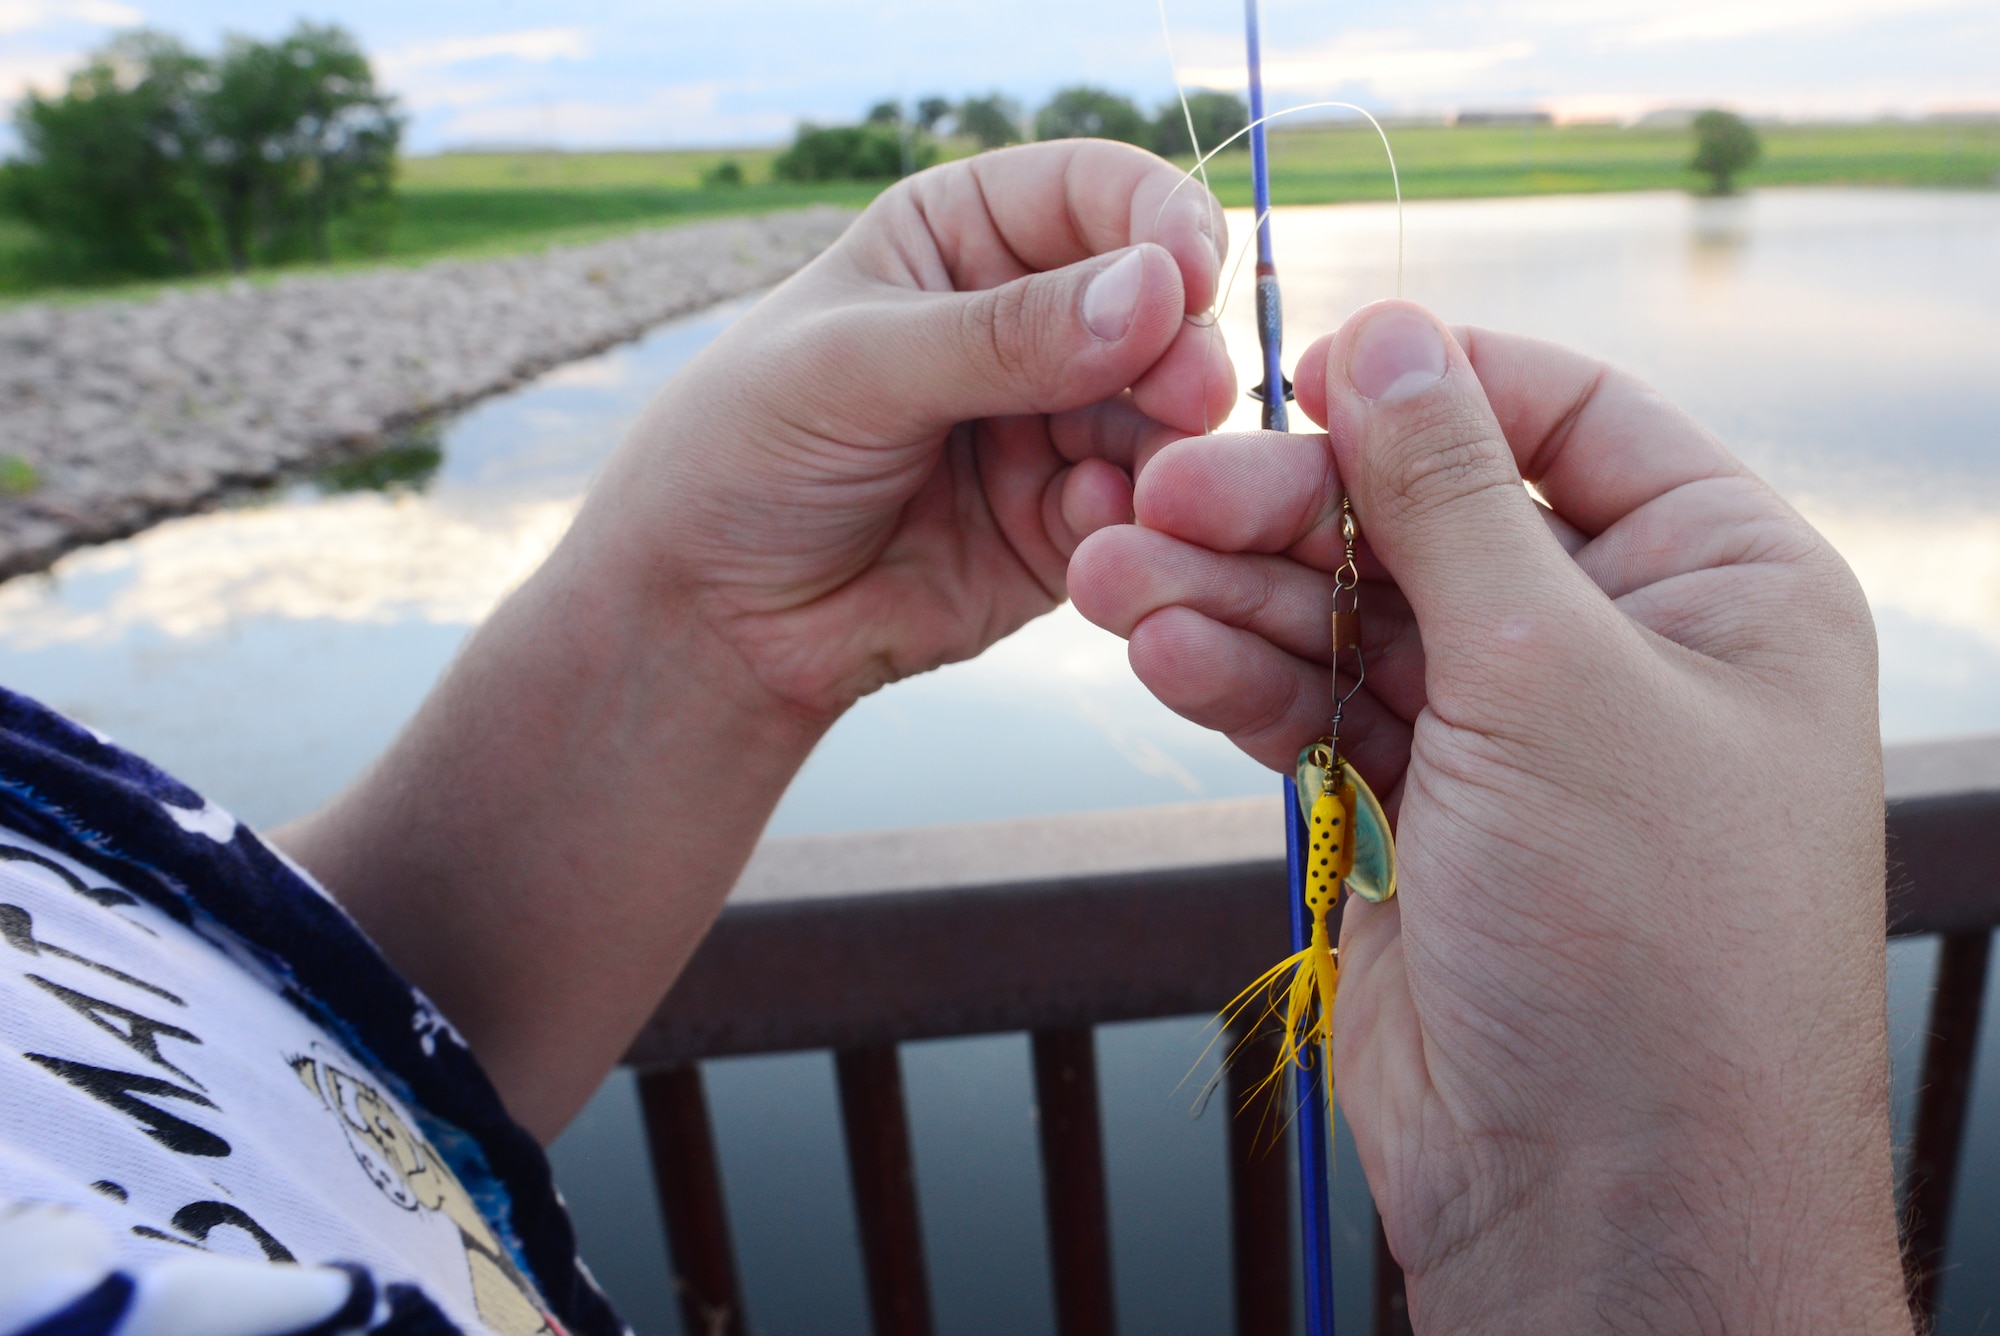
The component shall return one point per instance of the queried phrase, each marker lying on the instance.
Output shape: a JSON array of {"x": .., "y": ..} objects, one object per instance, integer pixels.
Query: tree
[
  {"x": 298, "y": 134},
  {"x": 994, "y": 120},
  {"x": 1724, "y": 145},
  {"x": 156, "y": 159},
  {"x": 728, "y": 172},
  {"x": 930, "y": 111},
  {"x": 1216, "y": 117},
  {"x": 885, "y": 113},
  {"x": 1091, "y": 113},
  {"x": 851, "y": 153},
  {"x": 111, "y": 170}
]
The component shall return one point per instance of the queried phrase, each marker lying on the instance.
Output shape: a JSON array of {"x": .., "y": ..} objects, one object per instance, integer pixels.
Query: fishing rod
[
  {"x": 1310, "y": 1103},
  {"x": 1337, "y": 837}
]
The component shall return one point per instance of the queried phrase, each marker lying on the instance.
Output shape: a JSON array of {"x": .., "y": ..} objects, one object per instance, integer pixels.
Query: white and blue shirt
[{"x": 221, "y": 1110}]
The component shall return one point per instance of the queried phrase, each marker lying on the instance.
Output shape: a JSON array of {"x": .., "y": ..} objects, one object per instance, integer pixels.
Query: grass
[
  {"x": 17, "y": 476},
  {"x": 1331, "y": 164},
  {"x": 474, "y": 203},
  {"x": 494, "y": 203}
]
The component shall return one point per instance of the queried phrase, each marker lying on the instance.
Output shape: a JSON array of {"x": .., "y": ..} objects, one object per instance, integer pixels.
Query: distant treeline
[
  {"x": 157, "y": 159},
  {"x": 894, "y": 141}
]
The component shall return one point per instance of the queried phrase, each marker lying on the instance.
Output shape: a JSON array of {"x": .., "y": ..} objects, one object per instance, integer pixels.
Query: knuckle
[
  {"x": 1442, "y": 464},
  {"x": 1006, "y": 318},
  {"x": 1258, "y": 595}
]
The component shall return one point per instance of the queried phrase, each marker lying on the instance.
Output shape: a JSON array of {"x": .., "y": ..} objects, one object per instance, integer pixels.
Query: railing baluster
[
  {"x": 885, "y": 1188},
  {"x": 1947, "y": 1091},
  {"x": 1073, "y": 1180},
  {"x": 1392, "y": 1300},
  {"x": 691, "y": 1203},
  {"x": 1260, "y": 1209}
]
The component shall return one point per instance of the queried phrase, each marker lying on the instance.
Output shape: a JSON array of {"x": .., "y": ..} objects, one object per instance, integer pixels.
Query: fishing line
[
  {"x": 1212, "y": 317},
  {"x": 1395, "y": 177},
  {"x": 1180, "y": 91}
]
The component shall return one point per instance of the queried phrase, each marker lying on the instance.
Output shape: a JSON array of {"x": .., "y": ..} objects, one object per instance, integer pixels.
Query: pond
[{"x": 1840, "y": 341}]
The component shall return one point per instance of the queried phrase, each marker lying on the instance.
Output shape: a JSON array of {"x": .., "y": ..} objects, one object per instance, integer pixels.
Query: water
[{"x": 1841, "y": 341}]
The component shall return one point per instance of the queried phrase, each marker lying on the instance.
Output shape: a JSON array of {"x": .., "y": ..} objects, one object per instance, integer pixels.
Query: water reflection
[
  {"x": 1836, "y": 339},
  {"x": 1840, "y": 341},
  {"x": 406, "y": 464},
  {"x": 1719, "y": 233}
]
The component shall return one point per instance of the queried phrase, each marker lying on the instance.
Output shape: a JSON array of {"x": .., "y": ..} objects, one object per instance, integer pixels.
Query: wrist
[
  {"x": 643, "y": 632},
  {"x": 1715, "y": 1237},
  {"x": 755, "y": 580}
]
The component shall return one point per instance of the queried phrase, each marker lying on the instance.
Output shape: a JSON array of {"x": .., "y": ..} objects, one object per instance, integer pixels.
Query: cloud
[
  {"x": 424, "y": 72},
  {"x": 1391, "y": 63},
  {"x": 30, "y": 15},
  {"x": 537, "y": 46},
  {"x": 404, "y": 559},
  {"x": 1652, "y": 23},
  {"x": 689, "y": 113},
  {"x": 432, "y": 94},
  {"x": 38, "y": 71},
  {"x": 43, "y": 65}
]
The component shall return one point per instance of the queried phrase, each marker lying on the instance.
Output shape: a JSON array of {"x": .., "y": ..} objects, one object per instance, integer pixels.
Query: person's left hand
[{"x": 885, "y": 466}]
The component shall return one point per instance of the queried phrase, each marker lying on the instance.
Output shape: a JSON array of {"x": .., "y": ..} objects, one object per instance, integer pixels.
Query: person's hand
[
  {"x": 882, "y": 467},
  {"x": 885, "y": 466},
  {"x": 1615, "y": 1056}
]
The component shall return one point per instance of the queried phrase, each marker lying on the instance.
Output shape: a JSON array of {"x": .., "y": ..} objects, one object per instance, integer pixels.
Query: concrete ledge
[
  {"x": 985, "y": 853},
  {"x": 832, "y": 941}
]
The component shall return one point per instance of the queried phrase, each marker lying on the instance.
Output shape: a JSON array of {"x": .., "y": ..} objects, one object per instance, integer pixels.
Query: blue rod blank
[{"x": 1310, "y": 1106}]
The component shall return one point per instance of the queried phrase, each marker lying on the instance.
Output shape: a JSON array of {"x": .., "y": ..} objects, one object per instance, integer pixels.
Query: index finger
[
  {"x": 1003, "y": 215},
  {"x": 1596, "y": 441}
]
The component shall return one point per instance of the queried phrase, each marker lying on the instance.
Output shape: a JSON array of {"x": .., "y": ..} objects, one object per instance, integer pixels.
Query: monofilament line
[
  {"x": 1395, "y": 178},
  {"x": 1180, "y": 91}
]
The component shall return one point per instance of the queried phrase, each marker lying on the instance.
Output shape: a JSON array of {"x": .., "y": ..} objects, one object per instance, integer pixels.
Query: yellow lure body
[
  {"x": 1372, "y": 872},
  {"x": 1348, "y": 844}
]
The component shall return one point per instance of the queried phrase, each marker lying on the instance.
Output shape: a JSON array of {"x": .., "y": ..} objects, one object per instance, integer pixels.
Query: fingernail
[
  {"x": 1398, "y": 353},
  {"x": 1113, "y": 297}
]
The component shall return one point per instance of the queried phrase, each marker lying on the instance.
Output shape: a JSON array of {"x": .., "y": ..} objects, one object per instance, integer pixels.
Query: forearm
[{"x": 545, "y": 845}]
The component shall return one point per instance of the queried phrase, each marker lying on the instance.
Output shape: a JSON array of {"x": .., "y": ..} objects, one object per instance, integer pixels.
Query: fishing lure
[{"x": 1341, "y": 843}]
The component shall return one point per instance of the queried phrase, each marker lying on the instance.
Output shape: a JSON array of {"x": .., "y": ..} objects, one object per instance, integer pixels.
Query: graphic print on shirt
[
  {"x": 62, "y": 994},
  {"x": 412, "y": 1175},
  {"x": 152, "y": 908},
  {"x": 131, "y": 1093}
]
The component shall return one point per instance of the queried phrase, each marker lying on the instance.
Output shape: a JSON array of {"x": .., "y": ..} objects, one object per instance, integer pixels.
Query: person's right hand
[
  {"x": 882, "y": 467},
  {"x": 1615, "y": 1056}
]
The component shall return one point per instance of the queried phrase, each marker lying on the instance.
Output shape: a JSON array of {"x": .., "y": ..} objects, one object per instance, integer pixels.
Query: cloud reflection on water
[
  {"x": 1834, "y": 337},
  {"x": 358, "y": 558}
]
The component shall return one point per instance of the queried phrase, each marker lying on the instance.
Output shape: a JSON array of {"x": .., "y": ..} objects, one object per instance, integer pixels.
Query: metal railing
[{"x": 1000, "y": 927}]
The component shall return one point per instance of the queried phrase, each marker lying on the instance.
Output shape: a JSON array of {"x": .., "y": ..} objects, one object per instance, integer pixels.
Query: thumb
[
  {"x": 1046, "y": 343},
  {"x": 1437, "y": 490}
]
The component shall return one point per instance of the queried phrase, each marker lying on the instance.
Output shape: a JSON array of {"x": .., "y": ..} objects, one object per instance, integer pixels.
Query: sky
[{"x": 740, "y": 72}]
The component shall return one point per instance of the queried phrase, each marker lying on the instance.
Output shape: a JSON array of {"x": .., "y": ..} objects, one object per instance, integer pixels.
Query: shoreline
[{"x": 131, "y": 412}]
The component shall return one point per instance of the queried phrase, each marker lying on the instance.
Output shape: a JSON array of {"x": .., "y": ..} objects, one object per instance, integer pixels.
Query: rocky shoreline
[{"x": 131, "y": 411}]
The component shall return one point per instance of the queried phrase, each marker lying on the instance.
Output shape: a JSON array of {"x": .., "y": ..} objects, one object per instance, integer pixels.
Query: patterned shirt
[{"x": 221, "y": 1109}]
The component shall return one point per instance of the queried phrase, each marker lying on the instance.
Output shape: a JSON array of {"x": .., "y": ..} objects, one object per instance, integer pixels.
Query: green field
[
  {"x": 1324, "y": 165},
  {"x": 473, "y": 203},
  {"x": 489, "y": 203}
]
